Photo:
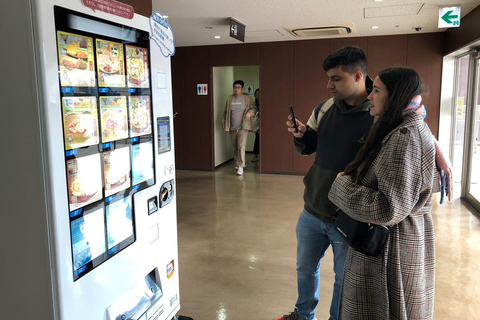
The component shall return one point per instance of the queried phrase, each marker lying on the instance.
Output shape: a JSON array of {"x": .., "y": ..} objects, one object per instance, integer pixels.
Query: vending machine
[{"x": 89, "y": 211}]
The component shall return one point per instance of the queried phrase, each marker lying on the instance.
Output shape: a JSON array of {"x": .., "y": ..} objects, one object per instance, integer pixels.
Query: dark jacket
[{"x": 340, "y": 134}]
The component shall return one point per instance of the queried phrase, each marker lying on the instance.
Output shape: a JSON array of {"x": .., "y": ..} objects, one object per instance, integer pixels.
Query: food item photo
[
  {"x": 76, "y": 60},
  {"x": 110, "y": 64}
]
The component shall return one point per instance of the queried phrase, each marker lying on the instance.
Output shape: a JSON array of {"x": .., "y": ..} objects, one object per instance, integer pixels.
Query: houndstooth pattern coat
[{"x": 399, "y": 284}]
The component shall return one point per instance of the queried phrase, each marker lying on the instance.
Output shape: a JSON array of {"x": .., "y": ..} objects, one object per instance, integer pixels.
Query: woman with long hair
[{"x": 390, "y": 183}]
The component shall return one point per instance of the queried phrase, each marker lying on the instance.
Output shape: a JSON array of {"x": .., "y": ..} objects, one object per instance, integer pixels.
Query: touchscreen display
[
  {"x": 75, "y": 54},
  {"x": 106, "y": 109},
  {"x": 164, "y": 142},
  {"x": 139, "y": 110},
  {"x": 110, "y": 61},
  {"x": 88, "y": 237},
  {"x": 116, "y": 168},
  {"x": 84, "y": 181},
  {"x": 119, "y": 222},
  {"x": 80, "y": 121},
  {"x": 142, "y": 162},
  {"x": 114, "y": 115},
  {"x": 137, "y": 67}
]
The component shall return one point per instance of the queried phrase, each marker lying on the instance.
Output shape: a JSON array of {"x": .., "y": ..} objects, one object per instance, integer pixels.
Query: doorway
[
  {"x": 223, "y": 78},
  {"x": 465, "y": 138}
]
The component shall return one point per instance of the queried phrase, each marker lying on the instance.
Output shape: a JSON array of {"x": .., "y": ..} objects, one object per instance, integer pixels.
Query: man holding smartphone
[{"x": 334, "y": 141}]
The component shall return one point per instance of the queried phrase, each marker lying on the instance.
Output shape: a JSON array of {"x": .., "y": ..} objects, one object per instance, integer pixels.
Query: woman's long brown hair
[{"x": 402, "y": 84}]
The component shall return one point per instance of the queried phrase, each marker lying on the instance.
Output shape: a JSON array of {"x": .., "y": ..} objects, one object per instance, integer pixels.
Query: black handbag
[{"x": 363, "y": 237}]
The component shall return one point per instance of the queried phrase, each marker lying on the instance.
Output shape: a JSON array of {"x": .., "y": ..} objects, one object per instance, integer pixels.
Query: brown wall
[
  {"x": 143, "y": 7},
  {"x": 290, "y": 73},
  {"x": 468, "y": 32}
]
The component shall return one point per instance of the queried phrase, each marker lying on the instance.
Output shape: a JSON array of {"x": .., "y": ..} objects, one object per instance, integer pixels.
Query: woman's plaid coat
[{"x": 396, "y": 192}]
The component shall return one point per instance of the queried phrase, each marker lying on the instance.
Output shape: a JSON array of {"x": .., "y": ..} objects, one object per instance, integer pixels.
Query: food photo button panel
[
  {"x": 84, "y": 181},
  {"x": 110, "y": 64},
  {"x": 119, "y": 222},
  {"x": 137, "y": 67},
  {"x": 142, "y": 162},
  {"x": 75, "y": 55},
  {"x": 80, "y": 119},
  {"x": 88, "y": 238},
  {"x": 140, "y": 121},
  {"x": 114, "y": 118},
  {"x": 117, "y": 170}
]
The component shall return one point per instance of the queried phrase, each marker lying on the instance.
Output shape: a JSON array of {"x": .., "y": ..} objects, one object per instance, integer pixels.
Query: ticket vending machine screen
[
  {"x": 164, "y": 139},
  {"x": 106, "y": 108}
]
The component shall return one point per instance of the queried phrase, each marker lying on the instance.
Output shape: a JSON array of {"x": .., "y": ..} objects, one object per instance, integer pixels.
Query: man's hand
[
  {"x": 248, "y": 116},
  {"x": 291, "y": 127}
]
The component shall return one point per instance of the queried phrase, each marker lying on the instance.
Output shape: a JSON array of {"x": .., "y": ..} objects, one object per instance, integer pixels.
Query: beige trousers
[{"x": 239, "y": 142}]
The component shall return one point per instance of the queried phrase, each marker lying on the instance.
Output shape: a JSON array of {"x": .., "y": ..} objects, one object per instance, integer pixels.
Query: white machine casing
[{"x": 118, "y": 282}]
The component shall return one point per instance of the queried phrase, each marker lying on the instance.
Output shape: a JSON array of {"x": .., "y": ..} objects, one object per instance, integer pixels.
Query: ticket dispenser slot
[
  {"x": 141, "y": 302},
  {"x": 152, "y": 205},
  {"x": 166, "y": 193}
]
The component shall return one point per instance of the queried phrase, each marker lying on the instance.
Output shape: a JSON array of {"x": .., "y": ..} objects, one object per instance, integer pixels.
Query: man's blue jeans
[{"x": 314, "y": 236}]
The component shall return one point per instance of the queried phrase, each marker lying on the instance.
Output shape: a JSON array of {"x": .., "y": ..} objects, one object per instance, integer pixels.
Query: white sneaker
[{"x": 239, "y": 171}]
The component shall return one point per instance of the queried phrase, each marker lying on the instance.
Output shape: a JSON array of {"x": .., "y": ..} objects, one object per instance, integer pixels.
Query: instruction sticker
[{"x": 162, "y": 34}]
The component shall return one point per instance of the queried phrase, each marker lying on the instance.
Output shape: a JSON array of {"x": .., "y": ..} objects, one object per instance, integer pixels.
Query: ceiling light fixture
[
  {"x": 217, "y": 37},
  {"x": 165, "y": 17},
  {"x": 375, "y": 27}
]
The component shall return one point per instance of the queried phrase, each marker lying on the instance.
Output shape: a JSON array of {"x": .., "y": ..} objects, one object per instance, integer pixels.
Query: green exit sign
[{"x": 449, "y": 17}]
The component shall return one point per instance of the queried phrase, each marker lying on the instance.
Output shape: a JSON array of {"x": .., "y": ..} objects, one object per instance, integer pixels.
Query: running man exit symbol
[
  {"x": 202, "y": 89},
  {"x": 449, "y": 17}
]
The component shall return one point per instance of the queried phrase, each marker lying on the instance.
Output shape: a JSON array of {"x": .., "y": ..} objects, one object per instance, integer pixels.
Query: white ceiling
[{"x": 196, "y": 23}]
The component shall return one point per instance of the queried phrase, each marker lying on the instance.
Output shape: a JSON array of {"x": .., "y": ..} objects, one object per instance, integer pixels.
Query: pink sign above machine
[{"x": 110, "y": 6}]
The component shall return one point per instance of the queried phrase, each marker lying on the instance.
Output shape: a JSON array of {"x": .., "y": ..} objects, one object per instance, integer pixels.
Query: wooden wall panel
[
  {"x": 290, "y": 73},
  {"x": 247, "y": 54},
  {"x": 425, "y": 54},
  {"x": 277, "y": 83},
  {"x": 143, "y": 7},
  {"x": 221, "y": 56},
  {"x": 385, "y": 52},
  {"x": 196, "y": 111},
  {"x": 361, "y": 42},
  {"x": 310, "y": 87}
]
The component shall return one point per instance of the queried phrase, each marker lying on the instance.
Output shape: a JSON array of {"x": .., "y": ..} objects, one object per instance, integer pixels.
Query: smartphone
[{"x": 294, "y": 119}]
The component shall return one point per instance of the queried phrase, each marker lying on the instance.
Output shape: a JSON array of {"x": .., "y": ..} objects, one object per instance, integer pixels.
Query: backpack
[{"x": 317, "y": 114}]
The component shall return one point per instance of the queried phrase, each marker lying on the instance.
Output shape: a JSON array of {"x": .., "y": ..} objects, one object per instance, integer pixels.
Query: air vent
[{"x": 322, "y": 31}]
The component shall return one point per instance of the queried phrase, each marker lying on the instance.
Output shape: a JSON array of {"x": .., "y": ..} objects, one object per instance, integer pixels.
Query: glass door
[
  {"x": 473, "y": 119},
  {"x": 459, "y": 116}
]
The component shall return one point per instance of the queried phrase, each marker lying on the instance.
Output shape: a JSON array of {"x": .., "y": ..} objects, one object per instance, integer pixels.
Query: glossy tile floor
[{"x": 237, "y": 248}]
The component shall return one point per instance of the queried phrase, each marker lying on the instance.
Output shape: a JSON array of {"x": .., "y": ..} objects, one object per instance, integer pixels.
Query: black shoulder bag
[{"x": 366, "y": 238}]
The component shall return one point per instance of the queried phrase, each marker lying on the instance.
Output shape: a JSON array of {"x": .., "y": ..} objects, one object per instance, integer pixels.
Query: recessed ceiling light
[
  {"x": 208, "y": 27},
  {"x": 165, "y": 17},
  {"x": 217, "y": 37},
  {"x": 378, "y": 0},
  {"x": 375, "y": 27}
]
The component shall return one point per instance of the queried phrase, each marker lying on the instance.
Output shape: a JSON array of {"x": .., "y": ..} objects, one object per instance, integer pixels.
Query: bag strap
[{"x": 318, "y": 114}]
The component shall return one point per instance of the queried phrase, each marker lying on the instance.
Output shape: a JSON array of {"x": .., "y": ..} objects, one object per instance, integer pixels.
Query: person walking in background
[
  {"x": 239, "y": 109},
  {"x": 390, "y": 183},
  {"x": 256, "y": 145}
]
